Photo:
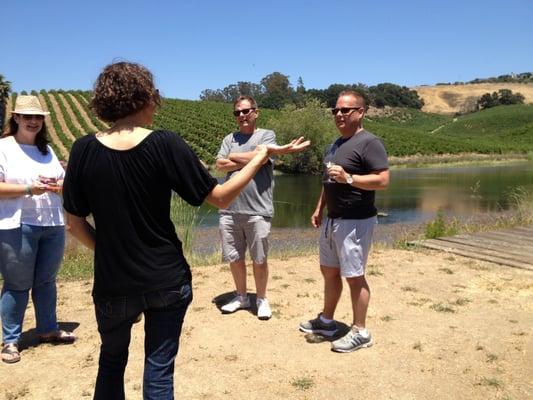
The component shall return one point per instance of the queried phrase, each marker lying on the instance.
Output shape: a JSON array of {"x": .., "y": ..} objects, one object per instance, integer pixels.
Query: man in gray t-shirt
[{"x": 247, "y": 221}]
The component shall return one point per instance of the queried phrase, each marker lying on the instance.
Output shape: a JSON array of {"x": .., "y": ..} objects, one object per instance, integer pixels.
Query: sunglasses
[
  {"x": 243, "y": 112},
  {"x": 29, "y": 117},
  {"x": 344, "y": 110}
]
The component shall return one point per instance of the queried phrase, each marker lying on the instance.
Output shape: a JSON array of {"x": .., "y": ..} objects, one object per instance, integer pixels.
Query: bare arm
[
  {"x": 81, "y": 230},
  {"x": 236, "y": 161},
  {"x": 376, "y": 180},
  {"x": 11, "y": 190},
  {"x": 316, "y": 218},
  {"x": 226, "y": 165},
  {"x": 222, "y": 195}
]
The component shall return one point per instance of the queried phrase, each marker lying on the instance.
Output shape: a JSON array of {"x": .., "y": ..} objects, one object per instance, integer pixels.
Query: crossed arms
[{"x": 235, "y": 161}]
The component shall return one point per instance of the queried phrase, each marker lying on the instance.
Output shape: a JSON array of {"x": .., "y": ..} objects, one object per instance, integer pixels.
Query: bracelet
[{"x": 28, "y": 190}]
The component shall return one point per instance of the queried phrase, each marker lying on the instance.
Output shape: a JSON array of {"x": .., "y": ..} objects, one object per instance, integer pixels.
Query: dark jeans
[{"x": 164, "y": 311}]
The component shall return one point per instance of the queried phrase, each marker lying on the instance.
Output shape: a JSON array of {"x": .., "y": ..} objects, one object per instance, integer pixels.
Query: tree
[
  {"x": 315, "y": 123},
  {"x": 502, "y": 97},
  {"x": 277, "y": 91},
  {"x": 507, "y": 97},
  {"x": 389, "y": 94},
  {"x": 231, "y": 92},
  {"x": 212, "y": 95},
  {"x": 331, "y": 93},
  {"x": 5, "y": 89}
]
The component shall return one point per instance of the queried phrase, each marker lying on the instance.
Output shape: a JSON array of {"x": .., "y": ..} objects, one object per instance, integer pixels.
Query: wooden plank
[
  {"x": 494, "y": 242},
  {"x": 507, "y": 237},
  {"x": 501, "y": 248},
  {"x": 439, "y": 246},
  {"x": 526, "y": 230},
  {"x": 487, "y": 252}
]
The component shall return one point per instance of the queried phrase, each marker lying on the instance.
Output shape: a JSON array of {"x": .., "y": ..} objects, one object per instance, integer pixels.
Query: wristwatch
[{"x": 349, "y": 179}]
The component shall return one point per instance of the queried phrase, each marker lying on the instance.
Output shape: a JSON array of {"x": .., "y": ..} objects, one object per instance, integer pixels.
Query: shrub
[{"x": 315, "y": 123}]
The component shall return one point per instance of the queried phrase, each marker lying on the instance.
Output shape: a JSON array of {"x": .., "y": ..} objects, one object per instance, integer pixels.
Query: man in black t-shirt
[{"x": 355, "y": 166}]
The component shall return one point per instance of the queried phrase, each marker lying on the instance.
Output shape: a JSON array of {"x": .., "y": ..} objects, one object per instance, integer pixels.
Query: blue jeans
[
  {"x": 164, "y": 311},
  {"x": 30, "y": 257}
]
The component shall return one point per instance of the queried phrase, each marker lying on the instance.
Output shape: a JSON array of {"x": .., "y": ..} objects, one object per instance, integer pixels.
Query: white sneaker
[
  {"x": 237, "y": 303},
  {"x": 263, "y": 309}
]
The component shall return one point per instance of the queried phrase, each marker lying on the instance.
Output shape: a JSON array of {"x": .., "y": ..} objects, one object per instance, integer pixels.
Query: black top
[
  {"x": 128, "y": 193},
  {"x": 360, "y": 154}
]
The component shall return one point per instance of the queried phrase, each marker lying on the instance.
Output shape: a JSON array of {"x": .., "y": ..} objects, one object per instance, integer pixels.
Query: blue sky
[{"x": 194, "y": 45}]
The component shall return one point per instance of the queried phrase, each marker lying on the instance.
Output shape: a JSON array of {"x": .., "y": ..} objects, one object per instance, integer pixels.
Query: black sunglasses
[
  {"x": 244, "y": 111},
  {"x": 344, "y": 110},
  {"x": 29, "y": 117}
]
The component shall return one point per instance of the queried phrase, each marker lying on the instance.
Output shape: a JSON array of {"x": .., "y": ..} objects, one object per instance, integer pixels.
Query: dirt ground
[{"x": 445, "y": 327}]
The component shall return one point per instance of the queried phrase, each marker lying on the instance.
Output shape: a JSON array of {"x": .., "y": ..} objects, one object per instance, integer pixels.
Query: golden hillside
[{"x": 450, "y": 99}]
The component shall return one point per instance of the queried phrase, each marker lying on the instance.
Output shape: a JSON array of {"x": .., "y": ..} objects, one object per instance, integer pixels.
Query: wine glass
[{"x": 329, "y": 164}]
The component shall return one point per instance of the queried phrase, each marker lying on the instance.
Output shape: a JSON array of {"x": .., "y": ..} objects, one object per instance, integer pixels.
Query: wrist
[
  {"x": 349, "y": 179},
  {"x": 27, "y": 190}
]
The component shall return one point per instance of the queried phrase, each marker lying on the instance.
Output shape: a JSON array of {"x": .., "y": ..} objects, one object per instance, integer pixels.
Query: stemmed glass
[{"x": 329, "y": 164}]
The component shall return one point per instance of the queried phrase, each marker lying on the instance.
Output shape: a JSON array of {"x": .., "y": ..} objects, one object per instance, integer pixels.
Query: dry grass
[{"x": 451, "y": 99}]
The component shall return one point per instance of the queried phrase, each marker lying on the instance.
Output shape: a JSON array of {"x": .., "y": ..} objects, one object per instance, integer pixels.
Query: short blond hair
[
  {"x": 252, "y": 101},
  {"x": 354, "y": 94}
]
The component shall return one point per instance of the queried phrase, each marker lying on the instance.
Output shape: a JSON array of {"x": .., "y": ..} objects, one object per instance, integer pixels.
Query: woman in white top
[{"x": 32, "y": 229}]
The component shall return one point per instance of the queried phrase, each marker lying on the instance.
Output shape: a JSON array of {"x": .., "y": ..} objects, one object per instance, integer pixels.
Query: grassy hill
[
  {"x": 451, "y": 99},
  {"x": 404, "y": 131}
]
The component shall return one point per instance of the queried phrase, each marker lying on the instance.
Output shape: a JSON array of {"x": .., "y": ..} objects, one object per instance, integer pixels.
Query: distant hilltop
[{"x": 462, "y": 98}]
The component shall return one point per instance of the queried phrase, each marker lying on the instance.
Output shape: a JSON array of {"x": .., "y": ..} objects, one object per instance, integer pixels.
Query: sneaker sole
[
  {"x": 369, "y": 344},
  {"x": 265, "y": 317},
  {"x": 231, "y": 312},
  {"x": 319, "y": 331}
]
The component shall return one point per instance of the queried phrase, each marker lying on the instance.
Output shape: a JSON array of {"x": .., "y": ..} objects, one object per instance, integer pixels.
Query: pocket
[
  {"x": 176, "y": 297},
  {"x": 111, "y": 308}
]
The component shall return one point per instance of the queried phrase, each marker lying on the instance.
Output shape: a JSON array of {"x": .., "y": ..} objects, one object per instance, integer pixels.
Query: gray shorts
[
  {"x": 345, "y": 243},
  {"x": 239, "y": 231}
]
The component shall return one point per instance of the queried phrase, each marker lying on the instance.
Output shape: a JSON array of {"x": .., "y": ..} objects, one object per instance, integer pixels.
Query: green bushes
[
  {"x": 316, "y": 124},
  {"x": 439, "y": 227},
  {"x": 503, "y": 97}
]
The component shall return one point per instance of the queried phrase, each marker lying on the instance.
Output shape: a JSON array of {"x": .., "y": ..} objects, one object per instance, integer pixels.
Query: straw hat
[{"x": 29, "y": 105}]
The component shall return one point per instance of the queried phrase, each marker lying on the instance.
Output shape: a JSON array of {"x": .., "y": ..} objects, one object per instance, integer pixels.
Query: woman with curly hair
[
  {"x": 32, "y": 232},
  {"x": 124, "y": 178}
]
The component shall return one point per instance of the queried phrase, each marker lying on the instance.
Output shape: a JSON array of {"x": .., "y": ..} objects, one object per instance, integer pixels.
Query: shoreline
[{"x": 433, "y": 161}]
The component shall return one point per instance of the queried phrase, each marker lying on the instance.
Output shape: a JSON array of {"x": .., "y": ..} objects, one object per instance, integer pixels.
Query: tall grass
[
  {"x": 185, "y": 219},
  {"x": 519, "y": 212},
  {"x": 521, "y": 202}
]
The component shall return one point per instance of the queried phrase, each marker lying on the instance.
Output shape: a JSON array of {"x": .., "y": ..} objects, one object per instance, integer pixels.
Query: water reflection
[{"x": 415, "y": 195}]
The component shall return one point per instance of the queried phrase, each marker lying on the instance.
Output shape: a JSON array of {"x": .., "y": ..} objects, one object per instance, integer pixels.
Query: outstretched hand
[{"x": 293, "y": 147}]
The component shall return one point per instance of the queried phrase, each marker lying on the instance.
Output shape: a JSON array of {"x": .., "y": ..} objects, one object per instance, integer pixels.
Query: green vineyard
[{"x": 405, "y": 132}]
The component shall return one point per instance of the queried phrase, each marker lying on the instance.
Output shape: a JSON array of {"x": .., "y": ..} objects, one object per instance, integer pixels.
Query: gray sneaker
[
  {"x": 317, "y": 326},
  {"x": 351, "y": 341}
]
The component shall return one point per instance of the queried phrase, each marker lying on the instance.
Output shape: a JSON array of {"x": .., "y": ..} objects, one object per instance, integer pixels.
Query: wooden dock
[{"x": 512, "y": 247}]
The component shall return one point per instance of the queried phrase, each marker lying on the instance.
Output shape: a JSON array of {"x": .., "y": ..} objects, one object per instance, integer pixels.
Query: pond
[{"x": 415, "y": 194}]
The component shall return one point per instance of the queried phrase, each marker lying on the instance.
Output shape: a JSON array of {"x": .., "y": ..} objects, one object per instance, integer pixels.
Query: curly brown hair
[
  {"x": 122, "y": 89},
  {"x": 41, "y": 139}
]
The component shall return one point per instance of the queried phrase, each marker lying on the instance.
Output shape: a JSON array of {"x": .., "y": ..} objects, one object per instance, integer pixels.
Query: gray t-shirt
[{"x": 256, "y": 198}]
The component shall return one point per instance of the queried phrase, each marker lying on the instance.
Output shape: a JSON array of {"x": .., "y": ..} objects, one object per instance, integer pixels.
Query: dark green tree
[
  {"x": 277, "y": 91},
  {"x": 389, "y": 94},
  {"x": 502, "y": 97}
]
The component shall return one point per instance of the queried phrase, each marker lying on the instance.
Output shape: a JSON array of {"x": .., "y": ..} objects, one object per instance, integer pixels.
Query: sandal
[
  {"x": 58, "y": 337},
  {"x": 10, "y": 353}
]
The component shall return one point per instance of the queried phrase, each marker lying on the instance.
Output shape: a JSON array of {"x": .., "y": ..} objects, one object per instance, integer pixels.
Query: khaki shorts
[
  {"x": 239, "y": 231},
  {"x": 345, "y": 244}
]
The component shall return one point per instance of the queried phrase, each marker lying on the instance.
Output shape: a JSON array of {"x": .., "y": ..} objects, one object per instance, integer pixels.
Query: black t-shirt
[
  {"x": 360, "y": 154},
  {"x": 128, "y": 193}
]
